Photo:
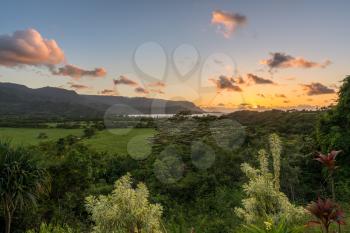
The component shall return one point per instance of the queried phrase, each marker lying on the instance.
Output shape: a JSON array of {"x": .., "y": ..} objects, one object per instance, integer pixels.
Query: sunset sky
[{"x": 223, "y": 54}]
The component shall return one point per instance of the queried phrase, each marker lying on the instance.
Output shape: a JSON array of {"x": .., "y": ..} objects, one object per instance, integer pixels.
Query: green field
[
  {"x": 111, "y": 141},
  {"x": 29, "y": 136},
  {"x": 117, "y": 141}
]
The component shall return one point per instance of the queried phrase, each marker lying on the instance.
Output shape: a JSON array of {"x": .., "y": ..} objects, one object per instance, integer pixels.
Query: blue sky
[{"x": 107, "y": 34}]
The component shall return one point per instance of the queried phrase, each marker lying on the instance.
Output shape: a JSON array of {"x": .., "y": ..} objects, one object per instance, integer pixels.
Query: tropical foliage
[
  {"x": 22, "y": 181},
  {"x": 264, "y": 199},
  {"x": 126, "y": 210},
  {"x": 326, "y": 212}
]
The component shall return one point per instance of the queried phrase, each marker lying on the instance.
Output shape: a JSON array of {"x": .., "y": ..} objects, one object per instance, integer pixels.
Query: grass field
[
  {"x": 28, "y": 136},
  {"x": 122, "y": 141},
  {"x": 119, "y": 141}
]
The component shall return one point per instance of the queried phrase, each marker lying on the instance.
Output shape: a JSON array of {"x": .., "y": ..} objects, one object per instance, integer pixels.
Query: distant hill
[
  {"x": 50, "y": 102},
  {"x": 282, "y": 122}
]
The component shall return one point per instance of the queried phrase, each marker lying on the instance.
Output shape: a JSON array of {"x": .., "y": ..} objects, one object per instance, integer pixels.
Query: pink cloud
[
  {"x": 227, "y": 22},
  {"x": 28, "y": 47},
  {"x": 76, "y": 72}
]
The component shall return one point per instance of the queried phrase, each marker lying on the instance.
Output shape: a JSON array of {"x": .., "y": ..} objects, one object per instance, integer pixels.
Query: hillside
[{"x": 49, "y": 102}]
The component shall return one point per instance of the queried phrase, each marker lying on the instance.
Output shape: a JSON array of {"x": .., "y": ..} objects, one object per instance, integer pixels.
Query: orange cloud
[
  {"x": 125, "y": 81},
  {"x": 77, "y": 86},
  {"x": 317, "y": 89},
  {"x": 107, "y": 92},
  {"x": 227, "y": 22},
  {"x": 282, "y": 60},
  {"x": 28, "y": 47},
  {"x": 157, "y": 91},
  {"x": 76, "y": 72},
  {"x": 226, "y": 83},
  {"x": 141, "y": 90},
  {"x": 156, "y": 84},
  {"x": 258, "y": 80}
]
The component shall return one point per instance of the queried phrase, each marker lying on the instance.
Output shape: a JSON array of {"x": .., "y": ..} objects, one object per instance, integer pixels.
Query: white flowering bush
[
  {"x": 264, "y": 200},
  {"x": 125, "y": 210}
]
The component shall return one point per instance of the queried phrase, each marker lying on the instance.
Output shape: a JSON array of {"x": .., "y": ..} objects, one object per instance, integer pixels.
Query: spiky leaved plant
[
  {"x": 329, "y": 162},
  {"x": 264, "y": 200},
  {"x": 326, "y": 211}
]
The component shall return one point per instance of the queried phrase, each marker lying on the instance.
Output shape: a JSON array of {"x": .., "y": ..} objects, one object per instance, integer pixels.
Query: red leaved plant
[
  {"x": 328, "y": 160},
  {"x": 327, "y": 212}
]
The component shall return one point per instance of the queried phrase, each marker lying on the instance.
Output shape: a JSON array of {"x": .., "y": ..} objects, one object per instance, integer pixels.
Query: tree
[
  {"x": 264, "y": 200},
  {"x": 125, "y": 210},
  {"x": 89, "y": 132},
  {"x": 331, "y": 128},
  {"x": 333, "y": 134},
  {"x": 21, "y": 181}
]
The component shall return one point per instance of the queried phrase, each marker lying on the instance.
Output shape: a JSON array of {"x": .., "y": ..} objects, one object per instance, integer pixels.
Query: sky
[{"x": 229, "y": 54}]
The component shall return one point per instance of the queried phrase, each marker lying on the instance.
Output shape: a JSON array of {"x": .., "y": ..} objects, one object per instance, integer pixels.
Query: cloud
[
  {"x": 289, "y": 78},
  {"x": 141, "y": 90},
  {"x": 77, "y": 86},
  {"x": 156, "y": 84},
  {"x": 317, "y": 89},
  {"x": 281, "y": 96},
  {"x": 226, "y": 83},
  {"x": 157, "y": 91},
  {"x": 282, "y": 60},
  {"x": 76, "y": 72},
  {"x": 28, "y": 47},
  {"x": 227, "y": 22},
  {"x": 124, "y": 81},
  {"x": 107, "y": 92},
  {"x": 258, "y": 80}
]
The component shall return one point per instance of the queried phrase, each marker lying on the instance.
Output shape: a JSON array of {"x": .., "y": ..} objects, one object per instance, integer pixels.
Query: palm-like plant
[
  {"x": 329, "y": 161},
  {"x": 21, "y": 181},
  {"x": 327, "y": 212}
]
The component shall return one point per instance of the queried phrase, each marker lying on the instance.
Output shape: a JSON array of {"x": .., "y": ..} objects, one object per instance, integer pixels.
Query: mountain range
[{"x": 52, "y": 102}]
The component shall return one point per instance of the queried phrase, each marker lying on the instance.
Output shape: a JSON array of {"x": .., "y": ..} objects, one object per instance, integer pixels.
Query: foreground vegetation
[{"x": 244, "y": 172}]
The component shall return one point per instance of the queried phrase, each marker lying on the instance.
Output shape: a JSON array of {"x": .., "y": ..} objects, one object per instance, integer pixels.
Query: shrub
[
  {"x": 264, "y": 200},
  {"x": 125, "y": 210}
]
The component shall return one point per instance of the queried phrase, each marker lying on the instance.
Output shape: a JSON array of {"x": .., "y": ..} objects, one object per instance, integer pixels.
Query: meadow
[{"x": 113, "y": 141}]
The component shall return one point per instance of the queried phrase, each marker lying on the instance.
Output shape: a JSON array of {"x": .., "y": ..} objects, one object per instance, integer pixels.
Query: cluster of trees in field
[{"x": 242, "y": 172}]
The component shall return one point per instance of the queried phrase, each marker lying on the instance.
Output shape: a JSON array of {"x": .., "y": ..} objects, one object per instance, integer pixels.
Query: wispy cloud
[
  {"x": 282, "y": 60},
  {"x": 280, "y": 95},
  {"x": 141, "y": 90},
  {"x": 28, "y": 47},
  {"x": 156, "y": 84},
  {"x": 258, "y": 80},
  {"x": 157, "y": 91},
  {"x": 226, "y": 83},
  {"x": 123, "y": 80},
  {"x": 227, "y": 22},
  {"x": 76, "y": 72},
  {"x": 317, "y": 89},
  {"x": 107, "y": 92},
  {"x": 77, "y": 86}
]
